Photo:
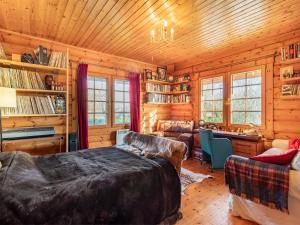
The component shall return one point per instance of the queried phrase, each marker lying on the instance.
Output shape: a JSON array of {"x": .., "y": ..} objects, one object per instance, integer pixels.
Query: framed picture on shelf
[
  {"x": 286, "y": 72},
  {"x": 148, "y": 74},
  {"x": 162, "y": 73}
]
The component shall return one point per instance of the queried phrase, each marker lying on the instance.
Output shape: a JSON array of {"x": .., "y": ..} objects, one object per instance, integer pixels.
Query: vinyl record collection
[
  {"x": 33, "y": 105},
  {"x": 15, "y": 78},
  {"x": 58, "y": 59}
]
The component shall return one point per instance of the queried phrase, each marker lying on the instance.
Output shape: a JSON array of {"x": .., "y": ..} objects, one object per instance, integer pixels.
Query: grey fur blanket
[{"x": 103, "y": 186}]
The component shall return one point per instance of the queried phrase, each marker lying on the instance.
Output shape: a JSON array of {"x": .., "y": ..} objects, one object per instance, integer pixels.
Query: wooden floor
[{"x": 206, "y": 202}]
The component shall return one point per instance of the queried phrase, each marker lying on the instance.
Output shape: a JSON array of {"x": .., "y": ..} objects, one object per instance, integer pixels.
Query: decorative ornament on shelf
[{"x": 163, "y": 34}]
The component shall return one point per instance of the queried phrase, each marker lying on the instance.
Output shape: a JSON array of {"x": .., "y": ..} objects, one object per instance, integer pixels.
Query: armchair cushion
[
  {"x": 294, "y": 143},
  {"x": 279, "y": 159}
]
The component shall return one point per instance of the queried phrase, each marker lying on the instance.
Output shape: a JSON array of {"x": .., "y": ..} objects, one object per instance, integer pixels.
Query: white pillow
[
  {"x": 274, "y": 151},
  {"x": 296, "y": 162}
]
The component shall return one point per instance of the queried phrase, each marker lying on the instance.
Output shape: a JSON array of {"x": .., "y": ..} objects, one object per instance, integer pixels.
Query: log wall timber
[
  {"x": 100, "y": 64},
  {"x": 281, "y": 116}
]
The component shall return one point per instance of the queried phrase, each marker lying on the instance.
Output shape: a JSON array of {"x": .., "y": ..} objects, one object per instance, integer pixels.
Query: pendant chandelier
[{"x": 163, "y": 34}]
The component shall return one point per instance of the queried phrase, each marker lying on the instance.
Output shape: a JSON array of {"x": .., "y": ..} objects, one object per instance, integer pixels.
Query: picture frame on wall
[
  {"x": 148, "y": 74},
  {"x": 162, "y": 73}
]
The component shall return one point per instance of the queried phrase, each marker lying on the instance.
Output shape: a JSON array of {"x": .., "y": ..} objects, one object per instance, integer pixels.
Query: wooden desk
[{"x": 243, "y": 145}]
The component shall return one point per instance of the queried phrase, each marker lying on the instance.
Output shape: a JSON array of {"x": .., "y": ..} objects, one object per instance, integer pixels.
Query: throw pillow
[
  {"x": 296, "y": 162},
  {"x": 294, "y": 143},
  {"x": 279, "y": 159}
]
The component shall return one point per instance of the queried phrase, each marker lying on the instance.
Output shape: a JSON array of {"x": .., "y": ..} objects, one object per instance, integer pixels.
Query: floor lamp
[{"x": 8, "y": 99}]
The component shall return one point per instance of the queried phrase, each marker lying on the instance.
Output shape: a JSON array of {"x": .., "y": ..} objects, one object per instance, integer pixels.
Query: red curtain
[
  {"x": 134, "y": 92},
  {"x": 82, "y": 106}
]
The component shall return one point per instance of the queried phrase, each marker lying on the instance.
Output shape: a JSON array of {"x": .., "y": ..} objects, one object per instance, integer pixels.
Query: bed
[{"x": 100, "y": 186}]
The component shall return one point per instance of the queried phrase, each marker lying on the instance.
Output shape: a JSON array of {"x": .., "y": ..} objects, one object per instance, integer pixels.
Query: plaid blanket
[{"x": 260, "y": 182}]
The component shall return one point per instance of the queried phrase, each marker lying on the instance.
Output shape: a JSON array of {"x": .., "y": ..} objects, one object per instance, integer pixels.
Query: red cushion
[
  {"x": 294, "y": 143},
  {"x": 279, "y": 159}
]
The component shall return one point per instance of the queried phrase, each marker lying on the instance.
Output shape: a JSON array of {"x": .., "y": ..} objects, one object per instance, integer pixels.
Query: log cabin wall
[
  {"x": 99, "y": 64},
  {"x": 282, "y": 118}
]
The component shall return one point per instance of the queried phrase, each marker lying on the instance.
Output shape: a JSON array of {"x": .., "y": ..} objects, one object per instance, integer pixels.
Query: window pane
[
  {"x": 206, "y": 84},
  {"x": 253, "y": 104},
  {"x": 218, "y": 106},
  {"x": 254, "y": 91},
  {"x": 100, "y": 119},
  {"x": 126, "y": 87},
  {"x": 91, "y": 94},
  {"x": 238, "y": 92},
  {"x": 100, "y": 83},
  {"x": 119, "y": 118},
  {"x": 127, "y": 107},
  {"x": 238, "y": 117},
  {"x": 253, "y": 117},
  {"x": 91, "y": 119},
  {"x": 207, "y": 106},
  {"x": 238, "y": 105},
  {"x": 238, "y": 79},
  {"x": 100, "y": 95},
  {"x": 119, "y": 96},
  {"x": 218, "y": 94},
  {"x": 91, "y": 107},
  {"x": 90, "y": 82},
  {"x": 207, "y": 95},
  {"x": 126, "y": 96},
  {"x": 127, "y": 118},
  {"x": 207, "y": 116},
  {"x": 218, "y": 117},
  {"x": 118, "y": 85},
  {"x": 253, "y": 77},
  {"x": 100, "y": 107},
  {"x": 119, "y": 107},
  {"x": 97, "y": 101},
  {"x": 217, "y": 82}
]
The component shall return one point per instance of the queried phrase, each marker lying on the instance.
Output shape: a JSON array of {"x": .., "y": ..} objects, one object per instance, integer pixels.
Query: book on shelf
[
  {"x": 37, "y": 105},
  {"x": 160, "y": 98},
  {"x": 290, "y": 89},
  {"x": 58, "y": 59},
  {"x": 290, "y": 52},
  {"x": 15, "y": 78},
  {"x": 158, "y": 87}
]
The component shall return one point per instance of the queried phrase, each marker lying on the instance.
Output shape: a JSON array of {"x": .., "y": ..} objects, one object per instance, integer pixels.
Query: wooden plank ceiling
[{"x": 122, "y": 27}]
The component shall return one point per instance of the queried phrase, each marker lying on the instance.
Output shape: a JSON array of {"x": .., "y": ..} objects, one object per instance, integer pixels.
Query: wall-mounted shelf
[
  {"x": 36, "y": 67},
  {"x": 166, "y": 82},
  {"x": 169, "y": 92},
  {"x": 33, "y": 115},
  {"x": 288, "y": 80},
  {"x": 290, "y": 97},
  {"x": 161, "y": 103},
  {"x": 290, "y": 61},
  {"x": 40, "y": 91}
]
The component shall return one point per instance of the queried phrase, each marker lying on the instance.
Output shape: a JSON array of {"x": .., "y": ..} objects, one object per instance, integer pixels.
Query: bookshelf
[
  {"x": 163, "y": 92},
  {"x": 29, "y": 82}
]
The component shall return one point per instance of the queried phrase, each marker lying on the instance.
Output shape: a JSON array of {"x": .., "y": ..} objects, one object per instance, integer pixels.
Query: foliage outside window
[
  {"x": 121, "y": 102},
  {"x": 212, "y": 99},
  {"x": 246, "y": 97},
  {"x": 97, "y": 101}
]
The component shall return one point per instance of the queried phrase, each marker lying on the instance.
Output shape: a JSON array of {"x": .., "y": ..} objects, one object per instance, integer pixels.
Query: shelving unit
[
  {"x": 60, "y": 74},
  {"x": 290, "y": 80},
  {"x": 159, "y": 92},
  {"x": 290, "y": 61}
]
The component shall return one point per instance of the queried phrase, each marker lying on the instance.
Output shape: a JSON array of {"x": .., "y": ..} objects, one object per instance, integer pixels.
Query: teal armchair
[{"x": 214, "y": 149}]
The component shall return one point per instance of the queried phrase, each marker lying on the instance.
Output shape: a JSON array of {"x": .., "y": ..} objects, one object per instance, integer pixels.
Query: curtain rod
[{"x": 108, "y": 67}]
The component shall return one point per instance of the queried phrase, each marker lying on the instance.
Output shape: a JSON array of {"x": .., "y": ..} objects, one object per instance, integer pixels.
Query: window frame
[
  {"x": 108, "y": 101},
  {"x": 113, "y": 103},
  {"x": 263, "y": 96},
  {"x": 224, "y": 96}
]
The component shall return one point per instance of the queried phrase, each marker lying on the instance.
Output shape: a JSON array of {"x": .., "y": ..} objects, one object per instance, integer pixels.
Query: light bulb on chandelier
[{"x": 166, "y": 34}]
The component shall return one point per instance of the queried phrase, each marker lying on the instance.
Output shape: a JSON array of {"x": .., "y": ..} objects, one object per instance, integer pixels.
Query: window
[
  {"x": 212, "y": 99},
  {"x": 246, "y": 99},
  {"x": 121, "y": 104},
  {"x": 97, "y": 101}
]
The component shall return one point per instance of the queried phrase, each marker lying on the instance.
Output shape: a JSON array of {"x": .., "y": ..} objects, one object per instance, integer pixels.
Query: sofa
[
  {"x": 177, "y": 130},
  {"x": 153, "y": 146},
  {"x": 264, "y": 215}
]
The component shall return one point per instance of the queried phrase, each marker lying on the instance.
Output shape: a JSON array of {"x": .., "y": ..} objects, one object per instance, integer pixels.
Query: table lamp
[{"x": 8, "y": 99}]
